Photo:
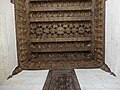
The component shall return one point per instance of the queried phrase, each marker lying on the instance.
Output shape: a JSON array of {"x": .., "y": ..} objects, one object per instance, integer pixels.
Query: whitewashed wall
[
  {"x": 8, "y": 58},
  {"x": 113, "y": 35}
]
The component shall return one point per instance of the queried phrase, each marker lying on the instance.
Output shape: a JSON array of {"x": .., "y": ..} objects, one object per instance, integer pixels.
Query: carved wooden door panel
[{"x": 55, "y": 34}]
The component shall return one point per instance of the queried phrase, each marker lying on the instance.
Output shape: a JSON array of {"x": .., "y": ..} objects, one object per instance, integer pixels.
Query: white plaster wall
[
  {"x": 8, "y": 54},
  {"x": 113, "y": 35}
]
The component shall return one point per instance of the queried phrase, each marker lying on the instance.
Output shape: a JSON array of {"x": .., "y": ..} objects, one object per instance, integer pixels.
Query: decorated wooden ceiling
[{"x": 60, "y": 34}]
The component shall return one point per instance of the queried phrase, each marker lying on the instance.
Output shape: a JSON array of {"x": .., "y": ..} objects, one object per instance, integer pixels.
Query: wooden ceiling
[{"x": 58, "y": 34}]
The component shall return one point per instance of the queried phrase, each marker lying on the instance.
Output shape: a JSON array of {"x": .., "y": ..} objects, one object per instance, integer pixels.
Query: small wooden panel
[{"x": 61, "y": 80}]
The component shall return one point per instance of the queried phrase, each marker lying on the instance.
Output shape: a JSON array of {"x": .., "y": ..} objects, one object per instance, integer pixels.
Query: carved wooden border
[{"x": 22, "y": 42}]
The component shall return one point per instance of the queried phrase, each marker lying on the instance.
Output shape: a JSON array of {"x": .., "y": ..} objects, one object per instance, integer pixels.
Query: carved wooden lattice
[{"x": 55, "y": 34}]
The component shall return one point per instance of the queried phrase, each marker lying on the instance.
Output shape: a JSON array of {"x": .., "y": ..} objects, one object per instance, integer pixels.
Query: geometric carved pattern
[
  {"x": 60, "y": 34},
  {"x": 60, "y": 14},
  {"x": 99, "y": 31},
  {"x": 60, "y": 30},
  {"x": 59, "y": 4}
]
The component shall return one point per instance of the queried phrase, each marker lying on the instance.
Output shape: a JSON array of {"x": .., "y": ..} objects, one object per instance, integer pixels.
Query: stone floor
[{"x": 94, "y": 79}]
